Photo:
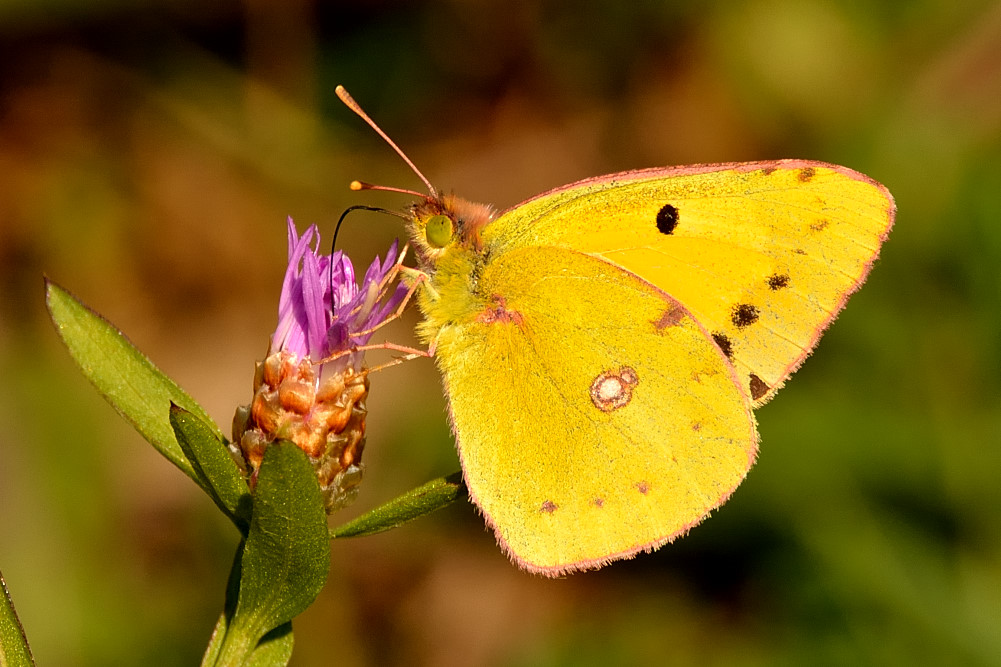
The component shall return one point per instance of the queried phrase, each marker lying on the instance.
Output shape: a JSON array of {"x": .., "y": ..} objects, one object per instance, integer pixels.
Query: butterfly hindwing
[
  {"x": 583, "y": 396},
  {"x": 763, "y": 254}
]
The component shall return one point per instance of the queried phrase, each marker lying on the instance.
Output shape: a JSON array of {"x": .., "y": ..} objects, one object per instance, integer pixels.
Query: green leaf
[
  {"x": 125, "y": 377},
  {"x": 213, "y": 464},
  {"x": 274, "y": 649},
  {"x": 14, "y": 651},
  {"x": 416, "y": 503},
  {"x": 286, "y": 556}
]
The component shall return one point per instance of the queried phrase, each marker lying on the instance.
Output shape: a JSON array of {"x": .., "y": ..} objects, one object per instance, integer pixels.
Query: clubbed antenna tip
[{"x": 350, "y": 103}]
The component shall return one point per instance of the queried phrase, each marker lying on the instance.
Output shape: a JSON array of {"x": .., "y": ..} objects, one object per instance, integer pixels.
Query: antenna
[
  {"x": 350, "y": 103},
  {"x": 362, "y": 185}
]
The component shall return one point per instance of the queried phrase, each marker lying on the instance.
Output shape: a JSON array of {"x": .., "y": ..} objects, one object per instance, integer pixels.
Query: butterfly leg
[
  {"x": 388, "y": 279},
  {"x": 408, "y": 354},
  {"x": 396, "y": 361},
  {"x": 419, "y": 278},
  {"x": 413, "y": 354}
]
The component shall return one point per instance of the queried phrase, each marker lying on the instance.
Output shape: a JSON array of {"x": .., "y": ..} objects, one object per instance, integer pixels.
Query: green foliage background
[{"x": 150, "y": 151}]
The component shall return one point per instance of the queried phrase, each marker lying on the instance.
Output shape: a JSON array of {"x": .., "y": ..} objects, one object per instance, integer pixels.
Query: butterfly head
[{"x": 440, "y": 223}]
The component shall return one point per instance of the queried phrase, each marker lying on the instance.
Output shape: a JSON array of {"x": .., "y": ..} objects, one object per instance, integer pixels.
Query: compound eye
[{"x": 438, "y": 231}]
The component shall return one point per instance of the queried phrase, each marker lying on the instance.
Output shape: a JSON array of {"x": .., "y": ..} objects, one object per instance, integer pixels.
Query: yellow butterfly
[{"x": 603, "y": 345}]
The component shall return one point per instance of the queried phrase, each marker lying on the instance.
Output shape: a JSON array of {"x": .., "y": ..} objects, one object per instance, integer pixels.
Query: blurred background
[{"x": 151, "y": 150}]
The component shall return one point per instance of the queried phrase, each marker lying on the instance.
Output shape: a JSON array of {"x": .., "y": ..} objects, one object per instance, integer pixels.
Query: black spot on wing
[
  {"x": 777, "y": 281},
  {"x": 758, "y": 387},
  {"x": 724, "y": 344},
  {"x": 667, "y": 219},
  {"x": 743, "y": 315}
]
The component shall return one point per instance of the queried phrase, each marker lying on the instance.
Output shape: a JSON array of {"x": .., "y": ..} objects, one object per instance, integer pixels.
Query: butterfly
[{"x": 603, "y": 345}]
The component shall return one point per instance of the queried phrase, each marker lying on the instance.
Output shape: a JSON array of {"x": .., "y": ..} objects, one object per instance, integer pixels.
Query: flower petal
[{"x": 321, "y": 305}]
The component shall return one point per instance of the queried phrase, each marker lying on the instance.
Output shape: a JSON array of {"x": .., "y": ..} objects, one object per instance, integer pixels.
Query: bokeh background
[{"x": 150, "y": 151}]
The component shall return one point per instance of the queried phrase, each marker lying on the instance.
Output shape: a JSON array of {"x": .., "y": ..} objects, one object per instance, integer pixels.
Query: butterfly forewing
[{"x": 763, "y": 254}]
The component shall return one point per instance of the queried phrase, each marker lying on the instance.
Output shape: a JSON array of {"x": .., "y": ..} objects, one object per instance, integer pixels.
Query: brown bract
[{"x": 324, "y": 419}]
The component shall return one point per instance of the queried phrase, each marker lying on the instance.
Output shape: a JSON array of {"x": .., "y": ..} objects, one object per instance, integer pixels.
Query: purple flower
[
  {"x": 322, "y": 309},
  {"x": 299, "y": 395}
]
